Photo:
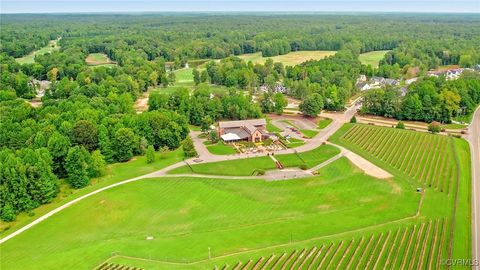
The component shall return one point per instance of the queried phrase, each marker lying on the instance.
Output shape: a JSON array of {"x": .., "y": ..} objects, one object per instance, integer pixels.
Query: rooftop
[{"x": 242, "y": 123}]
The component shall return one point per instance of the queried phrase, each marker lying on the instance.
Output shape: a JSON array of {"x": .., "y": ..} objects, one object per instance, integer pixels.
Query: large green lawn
[
  {"x": 372, "y": 58},
  {"x": 187, "y": 216},
  {"x": 115, "y": 173}
]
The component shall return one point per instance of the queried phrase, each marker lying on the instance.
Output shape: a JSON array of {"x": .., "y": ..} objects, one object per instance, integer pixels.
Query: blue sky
[{"x": 72, "y": 6}]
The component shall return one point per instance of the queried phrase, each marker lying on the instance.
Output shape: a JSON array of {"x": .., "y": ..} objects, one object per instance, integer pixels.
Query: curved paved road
[{"x": 474, "y": 139}]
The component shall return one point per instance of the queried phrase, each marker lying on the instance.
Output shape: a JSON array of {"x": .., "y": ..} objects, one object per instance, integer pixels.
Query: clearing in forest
[
  {"x": 372, "y": 58},
  {"x": 99, "y": 59},
  {"x": 289, "y": 59},
  {"x": 30, "y": 58}
]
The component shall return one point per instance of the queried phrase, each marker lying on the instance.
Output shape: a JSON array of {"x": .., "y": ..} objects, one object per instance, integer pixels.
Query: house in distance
[{"x": 253, "y": 130}]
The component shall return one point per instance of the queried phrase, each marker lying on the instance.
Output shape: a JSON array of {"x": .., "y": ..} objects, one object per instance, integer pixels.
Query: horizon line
[{"x": 236, "y": 11}]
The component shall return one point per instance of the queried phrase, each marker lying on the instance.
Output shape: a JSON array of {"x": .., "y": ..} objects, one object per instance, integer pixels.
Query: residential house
[
  {"x": 377, "y": 82},
  {"x": 363, "y": 86},
  {"x": 362, "y": 78},
  {"x": 253, "y": 130},
  {"x": 392, "y": 82},
  {"x": 410, "y": 81},
  {"x": 278, "y": 88}
]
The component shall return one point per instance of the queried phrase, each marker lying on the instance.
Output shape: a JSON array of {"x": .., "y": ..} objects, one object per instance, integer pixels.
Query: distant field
[
  {"x": 289, "y": 59},
  {"x": 30, "y": 58},
  {"x": 99, "y": 59},
  {"x": 184, "y": 76},
  {"x": 372, "y": 58}
]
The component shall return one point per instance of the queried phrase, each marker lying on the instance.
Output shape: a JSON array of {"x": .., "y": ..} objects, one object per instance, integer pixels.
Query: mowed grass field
[
  {"x": 338, "y": 219},
  {"x": 30, "y": 58},
  {"x": 372, "y": 58},
  {"x": 99, "y": 59},
  {"x": 187, "y": 216},
  {"x": 289, "y": 59},
  {"x": 115, "y": 173}
]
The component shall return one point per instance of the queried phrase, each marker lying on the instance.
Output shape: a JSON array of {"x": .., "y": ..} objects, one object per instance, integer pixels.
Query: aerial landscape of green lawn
[
  {"x": 251, "y": 210},
  {"x": 137, "y": 139},
  {"x": 154, "y": 209}
]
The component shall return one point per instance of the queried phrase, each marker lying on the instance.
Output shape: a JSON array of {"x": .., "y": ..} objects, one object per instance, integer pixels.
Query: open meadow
[
  {"x": 289, "y": 59},
  {"x": 372, "y": 58}
]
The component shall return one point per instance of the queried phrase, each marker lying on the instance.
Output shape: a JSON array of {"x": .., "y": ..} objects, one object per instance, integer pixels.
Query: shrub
[
  {"x": 188, "y": 148},
  {"x": 8, "y": 213},
  {"x": 400, "y": 125},
  {"x": 434, "y": 127},
  {"x": 353, "y": 120},
  {"x": 150, "y": 154},
  {"x": 303, "y": 167},
  {"x": 213, "y": 136}
]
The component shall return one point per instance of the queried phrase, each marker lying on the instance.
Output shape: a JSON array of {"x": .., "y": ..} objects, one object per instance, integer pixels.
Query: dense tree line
[
  {"x": 205, "y": 105},
  {"x": 430, "y": 99},
  {"x": 421, "y": 40},
  {"x": 332, "y": 78},
  {"x": 234, "y": 72}
]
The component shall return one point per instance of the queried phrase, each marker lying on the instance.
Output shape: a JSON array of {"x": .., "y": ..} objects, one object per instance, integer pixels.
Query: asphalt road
[{"x": 474, "y": 139}]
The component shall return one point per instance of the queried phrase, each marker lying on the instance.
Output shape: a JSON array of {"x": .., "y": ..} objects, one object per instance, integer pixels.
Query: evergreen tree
[
  {"x": 188, "y": 148},
  {"x": 76, "y": 165},
  {"x": 105, "y": 144},
  {"x": 150, "y": 154}
]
